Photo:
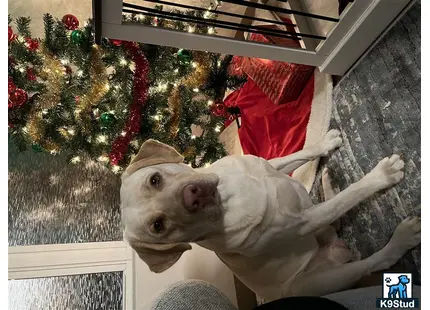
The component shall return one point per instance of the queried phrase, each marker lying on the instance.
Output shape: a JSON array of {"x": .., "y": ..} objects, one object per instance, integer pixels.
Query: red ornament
[
  {"x": 32, "y": 44},
  {"x": 18, "y": 98},
  {"x": 70, "y": 21},
  {"x": 11, "y": 86},
  {"x": 115, "y": 42},
  {"x": 218, "y": 109},
  {"x": 10, "y": 35},
  {"x": 77, "y": 98},
  {"x": 30, "y": 74}
]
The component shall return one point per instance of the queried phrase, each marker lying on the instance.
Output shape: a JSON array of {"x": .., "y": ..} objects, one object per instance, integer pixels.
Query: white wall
[{"x": 197, "y": 263}]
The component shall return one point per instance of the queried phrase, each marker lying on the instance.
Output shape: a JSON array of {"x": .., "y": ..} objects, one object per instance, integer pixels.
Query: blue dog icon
[{"x": 399, "y": 290}]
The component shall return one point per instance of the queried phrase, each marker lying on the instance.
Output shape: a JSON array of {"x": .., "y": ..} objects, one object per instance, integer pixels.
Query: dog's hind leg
[
  {"x": 323, "y": 282},
  {"x": 329, "y": 192},
  {"x": 287, "y": 164}
]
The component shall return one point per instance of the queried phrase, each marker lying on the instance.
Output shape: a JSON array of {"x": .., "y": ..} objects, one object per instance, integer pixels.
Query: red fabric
[
  {"x": 290, "y": 78},
  {"x": 269, "y": 130}
]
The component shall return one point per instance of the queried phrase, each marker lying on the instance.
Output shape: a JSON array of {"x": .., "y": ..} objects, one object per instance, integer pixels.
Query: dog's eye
[
  {"x": 158, "y": 225},
  {"x": 155, "y": 180}
]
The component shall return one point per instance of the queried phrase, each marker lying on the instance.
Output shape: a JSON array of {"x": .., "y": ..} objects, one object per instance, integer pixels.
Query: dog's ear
[
  {"x": 159, "y": 257},
  {"x": 153, "y": 152}
]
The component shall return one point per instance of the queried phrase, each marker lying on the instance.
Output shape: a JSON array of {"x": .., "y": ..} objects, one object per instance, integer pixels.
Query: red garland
[{"x": 140, "y": 95}]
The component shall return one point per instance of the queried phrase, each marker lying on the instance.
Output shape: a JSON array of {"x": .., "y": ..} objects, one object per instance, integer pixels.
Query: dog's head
[
  {"x": 404, "y": 279},
  {"x": 166, "y": 204}
]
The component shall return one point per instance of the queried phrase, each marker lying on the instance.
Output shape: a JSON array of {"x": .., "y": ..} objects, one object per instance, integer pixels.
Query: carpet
[{"x": 378, "y": 109}]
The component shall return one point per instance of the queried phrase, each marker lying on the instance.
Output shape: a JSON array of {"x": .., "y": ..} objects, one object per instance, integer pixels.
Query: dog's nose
[{"x": 196, "y": 196}]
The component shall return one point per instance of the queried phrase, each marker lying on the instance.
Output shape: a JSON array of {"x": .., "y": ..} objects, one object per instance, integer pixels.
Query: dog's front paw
[
  {"x": 387, "y": 172},
  {"x": 332, "y": 140}
]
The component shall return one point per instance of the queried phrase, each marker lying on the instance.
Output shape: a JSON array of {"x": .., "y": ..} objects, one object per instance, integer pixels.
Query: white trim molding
[
  {"x": 53, "y": 260},
  {"x": 362, "y": 22}
]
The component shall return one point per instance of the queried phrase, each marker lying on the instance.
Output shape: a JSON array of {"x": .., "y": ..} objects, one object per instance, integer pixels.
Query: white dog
[{"x": 260, "y": 222}]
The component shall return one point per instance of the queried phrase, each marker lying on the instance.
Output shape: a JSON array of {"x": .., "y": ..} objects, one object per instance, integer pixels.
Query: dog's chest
[
  {"x": 254, "y": 180},
  {"x": 256, "y": 195}
]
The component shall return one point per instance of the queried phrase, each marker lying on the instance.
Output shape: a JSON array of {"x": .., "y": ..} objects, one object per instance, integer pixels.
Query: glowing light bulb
[
  {"x": 196, "y": 90},
  {"x": 123, "y": 61},
  {"x": 217, "y": 129},
  {"x": 71, "y": 131},
  {"x": 116, "y": 169},
  {"x": 210, "y": 102},
  {"x": 79, "y": 73},
  {"x": 207, "y": 14},
  {"x": 193, "y": 137},
  {"x": 64, "y": 61},
  {"x": 211, "y": 30},
  {"x": 75, "y": 160},
  {"x": 123, "y": 133},
  {"x": 176, "y": 70},
  {"x": 103, "y": 159},
  {"x": 101, "y": 139},
  {"x": 194, "y": 64},
  {"x": 191, "y": 29},
  {"x": 135, "y": 143}
]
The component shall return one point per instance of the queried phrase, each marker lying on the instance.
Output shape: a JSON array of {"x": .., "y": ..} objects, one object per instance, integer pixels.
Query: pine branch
[
  {"x": 19, "y": 140},
  {"x": 49, "y": 23},
  {"x": 23, "y": 26}
]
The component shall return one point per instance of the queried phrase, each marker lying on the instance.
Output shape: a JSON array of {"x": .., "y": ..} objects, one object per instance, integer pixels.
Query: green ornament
[
  {"x": 107, "y": 119},
  {"x": 184, "y": 56},
  {"x": 36, "y": 148},
  {"x": 77, "y": 37}
]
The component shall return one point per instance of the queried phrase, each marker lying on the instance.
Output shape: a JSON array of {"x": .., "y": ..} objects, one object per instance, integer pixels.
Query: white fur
[{"x": 270, "y": 232}]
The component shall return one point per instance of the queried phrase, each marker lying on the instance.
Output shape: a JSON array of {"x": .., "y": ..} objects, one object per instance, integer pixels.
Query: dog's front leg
[
  {"x": 288, "y": 164},
  {"x": 387, "y": 173}
]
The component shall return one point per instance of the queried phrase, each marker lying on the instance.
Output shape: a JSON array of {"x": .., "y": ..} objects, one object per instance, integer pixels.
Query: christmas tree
[{"x": 101, "y": 102}]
